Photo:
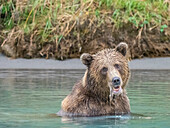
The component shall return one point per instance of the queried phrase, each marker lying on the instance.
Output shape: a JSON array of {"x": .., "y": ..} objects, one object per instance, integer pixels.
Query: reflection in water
[
  {"x": 116, "y": 121},
  {"x": 97, "y": 121},
  {"x": 28, "y": 97}
]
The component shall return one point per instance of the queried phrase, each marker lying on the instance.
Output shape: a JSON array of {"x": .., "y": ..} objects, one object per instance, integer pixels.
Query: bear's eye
[
  {"x": 104, "y": 70},
  {"x": 117, "y": 66}
]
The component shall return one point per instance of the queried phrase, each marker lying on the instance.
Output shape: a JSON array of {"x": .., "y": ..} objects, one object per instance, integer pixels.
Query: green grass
[
  {"x": 137, "y": 12},
  {"x": 51, "y": 20}
]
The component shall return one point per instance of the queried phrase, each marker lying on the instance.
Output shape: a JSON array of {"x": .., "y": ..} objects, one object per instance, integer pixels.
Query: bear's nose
[{"x": 116, "y": 81}]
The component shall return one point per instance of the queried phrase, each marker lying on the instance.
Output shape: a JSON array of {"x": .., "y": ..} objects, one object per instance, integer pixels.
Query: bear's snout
[
  {"x": 115, "y": 86},
  {"x": 116, "y": 81}
]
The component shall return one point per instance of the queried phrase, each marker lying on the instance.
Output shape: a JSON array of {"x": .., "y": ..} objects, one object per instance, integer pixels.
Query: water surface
[{"x": 30, "y": 98}]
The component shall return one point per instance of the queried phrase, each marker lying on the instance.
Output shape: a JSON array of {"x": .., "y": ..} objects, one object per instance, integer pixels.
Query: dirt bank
[
  {"x": 142, "y": 43},
  {"x": 84, "y": 27}
]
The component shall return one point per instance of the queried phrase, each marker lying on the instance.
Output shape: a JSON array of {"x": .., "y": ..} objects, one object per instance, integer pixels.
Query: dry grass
[{"x": 50, "y": 22}]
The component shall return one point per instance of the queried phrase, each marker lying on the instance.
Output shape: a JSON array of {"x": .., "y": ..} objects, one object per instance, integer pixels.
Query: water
[{"x": 30, "y": 98}]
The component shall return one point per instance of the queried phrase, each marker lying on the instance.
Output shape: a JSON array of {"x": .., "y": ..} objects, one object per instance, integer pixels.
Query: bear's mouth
[{"x": 115, "y": 91}]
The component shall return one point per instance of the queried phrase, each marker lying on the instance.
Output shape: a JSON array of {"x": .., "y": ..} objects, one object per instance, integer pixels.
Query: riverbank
[
  {"x": 138, "y": 64},
  {"x": 66, "y": 29}
]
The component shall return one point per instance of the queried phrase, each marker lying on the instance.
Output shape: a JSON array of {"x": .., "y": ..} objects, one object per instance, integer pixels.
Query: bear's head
[{"x": 107, "y": 72}]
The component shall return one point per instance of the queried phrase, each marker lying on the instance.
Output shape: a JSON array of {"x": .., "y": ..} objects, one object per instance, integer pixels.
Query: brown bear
[{"x": 102, "y": 89}]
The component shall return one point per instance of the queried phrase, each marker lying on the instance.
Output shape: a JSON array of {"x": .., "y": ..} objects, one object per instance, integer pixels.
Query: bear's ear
[
  {"x": 86, "y": 59},
  {"x": 122, "y": 48}
]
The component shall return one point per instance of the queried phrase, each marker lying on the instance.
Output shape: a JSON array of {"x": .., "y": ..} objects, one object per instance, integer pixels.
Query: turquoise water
[{"x": 30, "y": 99}]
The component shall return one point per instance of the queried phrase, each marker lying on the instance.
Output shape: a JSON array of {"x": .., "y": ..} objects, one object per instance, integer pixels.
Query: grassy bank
[{"x": 63, "y": 28}]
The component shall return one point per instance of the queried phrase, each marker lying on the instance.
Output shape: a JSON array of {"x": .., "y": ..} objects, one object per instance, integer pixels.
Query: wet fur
[{"x": 90, "y": 96}]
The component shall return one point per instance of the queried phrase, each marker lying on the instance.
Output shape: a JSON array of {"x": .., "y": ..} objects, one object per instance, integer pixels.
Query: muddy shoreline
[
  {"x": 137, "y": 64},
  {"x": 142, "y": 43},
  {"x": 28, "y": 32}
]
